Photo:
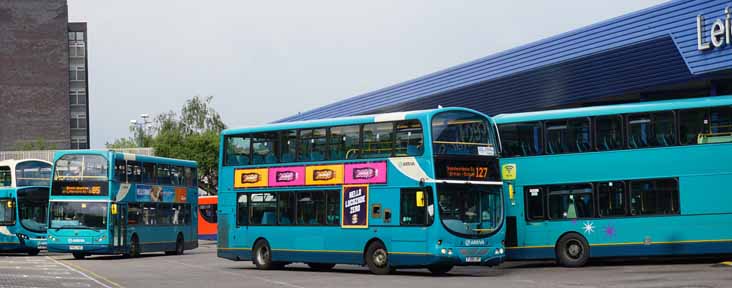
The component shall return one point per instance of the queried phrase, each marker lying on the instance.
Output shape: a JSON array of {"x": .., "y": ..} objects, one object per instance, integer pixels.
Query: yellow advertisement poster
[
  {"x": 324, "y": 175},
  {"x": 248, "y": 178}
]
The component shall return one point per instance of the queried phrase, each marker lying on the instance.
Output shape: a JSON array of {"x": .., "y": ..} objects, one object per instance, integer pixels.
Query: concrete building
[
  {"x": 43, "y": 72},
  {"x": 678, "y": 49}
]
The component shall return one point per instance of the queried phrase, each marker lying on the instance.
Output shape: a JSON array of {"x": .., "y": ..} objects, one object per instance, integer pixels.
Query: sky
[{"x": 265, "y": 60}]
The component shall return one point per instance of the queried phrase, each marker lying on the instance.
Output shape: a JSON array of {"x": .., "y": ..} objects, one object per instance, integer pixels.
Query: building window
[
  {"x": 78, "y": 121},
  {"x": 77, "y": 49},
  {"x": 79, "y": 142},
  {"x": 78, "y": 97},
  {"x": 77, "y": 73}
]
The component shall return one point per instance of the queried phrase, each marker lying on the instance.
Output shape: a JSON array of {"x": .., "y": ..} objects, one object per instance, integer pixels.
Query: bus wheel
[
  {"x": 440, "y": 269},
  {"x": 78, "y": 256},
  {"x": 377, "y": 259},
  {"x": 135, "y": 247},
  {"x": 179, "y": 247},
  {"x": 263, "y": 256},
  {"x": 321, "y": 266},
  {"x": 573, "y": 250},
  {"x": 34, "y": 252}
]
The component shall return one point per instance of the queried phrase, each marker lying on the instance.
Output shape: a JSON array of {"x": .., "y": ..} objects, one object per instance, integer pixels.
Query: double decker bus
[
  {"x": 207, "y": 217},
  {"x": 107, "y": 202},
  {"x": 640, "y": 179},
  {"x": 408, "y": 189},
  {"x": 23, "y": 205}
]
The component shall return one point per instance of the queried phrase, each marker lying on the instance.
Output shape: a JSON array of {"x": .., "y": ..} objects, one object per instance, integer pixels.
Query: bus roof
[
  {"x": 352, "y": 120},
  {"x": 614, "y": 109},
  {"x": 127, "y": 156}
]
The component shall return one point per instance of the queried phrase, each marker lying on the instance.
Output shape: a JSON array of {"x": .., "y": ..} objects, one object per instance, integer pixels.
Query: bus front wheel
[
  {"x": 78, "y": 256},
  {"x": 377, "y": 259},
  {"x": 573, "y": 250}
]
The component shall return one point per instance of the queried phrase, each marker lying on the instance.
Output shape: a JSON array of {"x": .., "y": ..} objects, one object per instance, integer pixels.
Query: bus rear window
[
  {"x": 80, "y": 167},
  {"x": 462, "y": 133},
  {"x": 32, "y": 173}
]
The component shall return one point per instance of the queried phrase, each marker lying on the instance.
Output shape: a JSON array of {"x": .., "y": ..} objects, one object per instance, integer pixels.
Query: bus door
[
  {"x": 416, "y": 212},
  {"x": 119, "y": 221}
]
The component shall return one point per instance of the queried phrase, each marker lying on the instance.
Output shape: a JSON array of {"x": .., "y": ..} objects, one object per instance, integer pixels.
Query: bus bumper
[
  {"x": 472, "y": 256},
  {"x": 82, "y": 248}
]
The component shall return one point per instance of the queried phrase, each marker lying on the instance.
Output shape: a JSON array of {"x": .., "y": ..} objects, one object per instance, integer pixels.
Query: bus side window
[
  {"x": 692, "y": 124},
  {"x": 120, "y": 170},
  {"x": 408, "y": 138},
  {"x": 264, "y": 148},
  {"x": 345, "y": 142},
  {"x": 237, "y": 150},
  {"x": 611, "y": 198},
  {"x": 609, "y": 133},
  {"x": 535, "y": 199},
  {"x": 162, "y": 174},
  {"x": 654, "y": 197},
  {"x": 378, "y": 140},
  {"x": 522, "y": 139},
  {"x": 133, "y": 214},
  {"x": 570, "y": 201},
  {"x": 242, "y": 210},
  {"x": 148, "y": 173},
  {"x": 332, "y": 207},
  {"x": 133, "y": 172},
  {"x": 6, "y": 177},
  {"x": 414, "y": 206}
]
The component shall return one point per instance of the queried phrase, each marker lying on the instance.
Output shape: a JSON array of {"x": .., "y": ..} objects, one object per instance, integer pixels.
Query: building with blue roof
[{"x": 678, "y": 49}]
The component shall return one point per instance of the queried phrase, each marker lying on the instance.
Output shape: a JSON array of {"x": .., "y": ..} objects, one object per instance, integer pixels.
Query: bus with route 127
[
  {"x": 640, "y": 179},
  {"x": 407, "y": 189},
  {"x": 23, "y": 205},
  {"x": 107, "y": 202}
]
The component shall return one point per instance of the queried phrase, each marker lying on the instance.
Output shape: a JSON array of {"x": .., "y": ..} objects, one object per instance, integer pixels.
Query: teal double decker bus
[
  {"x": 107, "y": 202},
  {"x": 641, "y": 179},
  {"x": 23, "y": 205},
  {"x": 411, "y": 189}
]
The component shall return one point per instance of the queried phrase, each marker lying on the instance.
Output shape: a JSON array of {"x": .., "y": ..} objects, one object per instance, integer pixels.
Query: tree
[
  {"x": 38, "y": 144},
  {"x": 193, "y": 135}
]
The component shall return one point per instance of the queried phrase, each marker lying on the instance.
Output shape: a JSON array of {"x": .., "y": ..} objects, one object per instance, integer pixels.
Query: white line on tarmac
[
  {"x": 281, "y": 283},
  {"x": 81, "y": 273}
]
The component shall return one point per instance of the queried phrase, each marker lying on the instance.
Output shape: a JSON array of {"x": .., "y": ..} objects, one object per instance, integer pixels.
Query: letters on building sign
[{"x": 718, "y": 34}]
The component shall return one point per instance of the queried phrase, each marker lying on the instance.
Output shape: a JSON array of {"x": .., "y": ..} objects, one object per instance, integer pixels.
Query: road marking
[
  {"x": 83, "y": 274},
  {"x": 281, "y": 283}
]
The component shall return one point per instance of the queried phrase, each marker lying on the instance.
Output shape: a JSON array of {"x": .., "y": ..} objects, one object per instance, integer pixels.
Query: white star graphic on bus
[{"x": 589, "y": 227}]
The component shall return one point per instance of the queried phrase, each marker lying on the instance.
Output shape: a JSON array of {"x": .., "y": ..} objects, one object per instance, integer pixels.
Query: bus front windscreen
[
  {"x": 462, "y": 133},
  {"x": 80, "y": 167},
  {"x": 78, "y": 215},
  {"x": 32, "y": 208},
  {"x": 471, "y": 211}
]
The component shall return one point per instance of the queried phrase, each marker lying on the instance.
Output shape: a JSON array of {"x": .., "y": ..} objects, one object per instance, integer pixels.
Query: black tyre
[
  {"x": 377, "y": 259},
  {"x": 440, "y": 269},
  {"x": 321, "y": 266},
  {"x": 262, "y": 257},
  {"x": 573, "y": 250},
  {"x": 179, "y": 247},
  {"x": 135, "y": 247},
  {"x": 34, "y": 252},
  {"x": 79, "y": 256}
]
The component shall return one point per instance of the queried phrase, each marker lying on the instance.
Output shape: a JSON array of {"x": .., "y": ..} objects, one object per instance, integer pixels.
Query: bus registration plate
[
  {"x": 472, "y": 259},
  {"x": 76, "y": 247}
]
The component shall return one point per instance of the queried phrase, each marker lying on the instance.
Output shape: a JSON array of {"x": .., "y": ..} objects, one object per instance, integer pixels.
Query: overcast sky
[{"x": 264, "y": 60}]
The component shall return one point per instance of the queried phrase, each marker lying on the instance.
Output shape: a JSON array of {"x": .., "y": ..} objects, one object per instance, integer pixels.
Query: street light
[{"x": 140, "y": 127}]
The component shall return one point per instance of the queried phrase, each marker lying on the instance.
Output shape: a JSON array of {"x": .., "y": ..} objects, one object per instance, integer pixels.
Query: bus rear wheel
[
  {"x": 377, "y": 259},
  {"x": 263, "y": 256},
  {"x": 440, "y": 269},
  {"x": 78, "y": 256},
  {"x": 321, "y": 266},
  {"x": 135, "y": 247},
  {"x": 179, "y": 247},
  {"x": 573, "y": 250}
]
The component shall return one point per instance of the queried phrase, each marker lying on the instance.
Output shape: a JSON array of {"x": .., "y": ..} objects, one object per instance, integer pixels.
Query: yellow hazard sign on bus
[{"x": 508, "y": 171}]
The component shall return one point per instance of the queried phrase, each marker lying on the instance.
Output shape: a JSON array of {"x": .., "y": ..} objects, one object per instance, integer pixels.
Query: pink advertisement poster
[
  {"x": 365, "y": 173},
  {"x": 287, "y": 176}
]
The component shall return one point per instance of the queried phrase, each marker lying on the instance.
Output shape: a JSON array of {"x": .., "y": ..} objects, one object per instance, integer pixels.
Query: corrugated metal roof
[{"x": 593, "y": 61}]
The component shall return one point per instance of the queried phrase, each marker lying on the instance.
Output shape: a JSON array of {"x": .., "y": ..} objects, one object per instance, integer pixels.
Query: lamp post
[{"x": 140, "y": 128}]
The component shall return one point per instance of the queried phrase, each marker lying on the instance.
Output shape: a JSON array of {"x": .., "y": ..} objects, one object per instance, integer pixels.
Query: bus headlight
[
  {"x": 102, "y": 238},
  {"x": 499, "y": 251},
  {"x": 449, "y": 251},
  {"x": 443, "y": 251},
  {"x": 51, "y": 238},
  {"x": 23, "y": 236}
]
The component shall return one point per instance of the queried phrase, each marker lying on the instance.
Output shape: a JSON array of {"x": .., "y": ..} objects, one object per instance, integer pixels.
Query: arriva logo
[
  {"x": 73, "y": 240},
  {"x": 719, "y": 34}
]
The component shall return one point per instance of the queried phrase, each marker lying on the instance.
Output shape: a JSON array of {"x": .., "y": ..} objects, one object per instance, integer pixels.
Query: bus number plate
[
  {"x": 472, "y": 259},
  {"x": 76, "y": 247}
]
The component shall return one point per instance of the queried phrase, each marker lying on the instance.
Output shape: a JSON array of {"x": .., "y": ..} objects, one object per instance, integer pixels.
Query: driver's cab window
[{"x": 416, "y": 207}]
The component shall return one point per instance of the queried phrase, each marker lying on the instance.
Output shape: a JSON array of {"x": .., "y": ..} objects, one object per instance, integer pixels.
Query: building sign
[
  {"x": 247, "y": 178},
  {"x": 365, "y": 173},
  {"x": 287, "y": 176},
  {"x": 355, "y": 205},
  {"x": 719, "y": 33},
  {"x": 324, "y": 175},
  {"x": 482, "y": 169},
  {"x": 77, "y": 188}
]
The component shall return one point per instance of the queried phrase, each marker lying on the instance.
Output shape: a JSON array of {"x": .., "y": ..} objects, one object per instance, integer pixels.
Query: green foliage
[
  {"x": 38, "y": 144},
  {"x": 192, "y": 135}
]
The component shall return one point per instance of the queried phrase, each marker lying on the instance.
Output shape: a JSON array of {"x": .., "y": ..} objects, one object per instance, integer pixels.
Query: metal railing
[{"x": 48, "y": 154}]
